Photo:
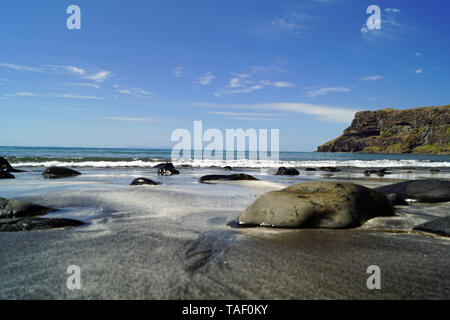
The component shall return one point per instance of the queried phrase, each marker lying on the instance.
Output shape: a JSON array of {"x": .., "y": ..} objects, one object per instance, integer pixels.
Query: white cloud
[
  {"x": 54, "y": 95},
  {"x": 75, "y": 70},
  {"x": 82, "y": 84},
  {"x": 418, "y": 54},
  {"x": 371, "y": 78},
  {"x": 177, "y": 71},
  {"x": 206, "y": 79},
  {"x": 100, "y": 76},
  {"x": 137, "y": 92},
  {"x": 419, "y": 71},
  {"x": 393, "y": 10},
  {"x": 131, "y": 119},
  {"x": 21, "y": 68},
  {"x": 322, "y": 112},
  {"x": 315, "y": 91}
]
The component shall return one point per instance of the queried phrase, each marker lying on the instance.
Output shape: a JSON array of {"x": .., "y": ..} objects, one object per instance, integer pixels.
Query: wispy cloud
[
  {"x": 320, "y": 91},
  {"x": 206, "y": 79},
  {"x": 82, "y": 84},
  {"x": 21, "y": 67},
  {"x": 391, "y": 28},
  {"x": 322, "y": 112},
  {"x": 53, "y": 95},
  {"x": 419, "y": 71},
  {"x": 100, "y": 76},
  {"x": 178, "y": 71},
  {"x": 138, "y": 93},
  {"x": 394, "y": 10},
  {"x": 244, "y": 83},
  {"x": 76, "y": 70},
  {"x": 371, "y": 78},
  {"x": 291, "y": 24},
  {"x": 417, "y": 54},
  {"x": 131, "y": 119}
]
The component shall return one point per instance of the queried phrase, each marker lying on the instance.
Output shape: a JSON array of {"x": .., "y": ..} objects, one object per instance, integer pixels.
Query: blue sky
[{"x": 139, "y": 69}]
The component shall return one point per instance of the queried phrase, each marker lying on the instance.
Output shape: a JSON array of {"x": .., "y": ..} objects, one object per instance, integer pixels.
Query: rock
[
  {"x": 435, "y": 170},
  {"x": 59, "y": 172},
  {"x": 10, "y": 208},
  {"x": 143, "y": 181},
  {"x": 166, "y": 165},
  {"x": 6, "y": 166},
  {"x": 228, "y": 168},
  {"x": 439, "y": 226},
  {"x": 380, "y": 172},
  {"x": 330, "y": 169},
  {"x": 397, "y": 200},
  {"x": 427, "y": 190},
  {"x": 6, "y": 175},
  {"x": 419, "y": 130},
  {"x": 282, "y": 171},
  {"x": 317, "y": 204},
  {"x": 310, "y": 169},
  {"x": 167, "y": 169},
  {"x": 231, "y": 177},
  {"x": 27, "y": 224}
]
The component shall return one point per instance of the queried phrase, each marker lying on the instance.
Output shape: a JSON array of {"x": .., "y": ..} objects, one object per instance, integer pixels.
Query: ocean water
[{"x": 145, "y": 158}]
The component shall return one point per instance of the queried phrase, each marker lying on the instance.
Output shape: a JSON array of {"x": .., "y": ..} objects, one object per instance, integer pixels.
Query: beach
[{"x": 177, "y": 240}]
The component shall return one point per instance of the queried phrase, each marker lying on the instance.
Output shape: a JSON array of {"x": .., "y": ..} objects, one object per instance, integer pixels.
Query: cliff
[{"x": 420, "y": 130}]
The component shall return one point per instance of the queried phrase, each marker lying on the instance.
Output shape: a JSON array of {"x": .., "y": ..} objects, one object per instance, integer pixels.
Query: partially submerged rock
[
  {"x": 167, "y": 169},
  {"x": 6, "y": 166},
  {"x": 426, "y": 190},
  {"x": 6, "y": 175},
  {"x": 282, "y": 171},
  {"x": 228, "y": 168},
  {"x": 330, "y": 169},
  {"x": 27, "y": 224},
  {"x": 10, "y": 208},
  {"x": 167, "y": 165},
  {"x": 59, "y": 172},
  {"x": 143, "y": 181},
  {"x": 317, "y": 204},
  {"x": 231, "y": 177},
  {"x": 439, "y": 226}
]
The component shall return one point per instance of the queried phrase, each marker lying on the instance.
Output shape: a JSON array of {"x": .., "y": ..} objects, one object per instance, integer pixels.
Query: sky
[{"x": 138, "y": 69}]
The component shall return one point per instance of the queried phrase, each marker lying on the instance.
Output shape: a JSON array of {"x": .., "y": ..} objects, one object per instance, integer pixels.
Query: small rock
[
  {"x": 143, "y": 181},
  {"x": 27, "y": 224},
  {"x": 167, "y": 165},
  {"x": 397, "y": 200},
  {"x": 439, "y": 226},
  {"x": 10, "y": 208},
  {"x": 228, "y": 168},
  {"x": 59, "y": 172},
  {"x": 5, "y": 165},
  {"x": 435, "y": 170},
  {"x": 6, "y": 175},
  {"x": 231, "y": 177},
  {"x": 282, "y": 171},
  {"x": 330, "y": 169},
  {"x": 310, "y": 169}
]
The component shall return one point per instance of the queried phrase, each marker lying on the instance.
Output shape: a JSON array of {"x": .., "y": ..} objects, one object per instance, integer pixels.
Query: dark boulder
[
  {"x": 228, "y": 168},
  {"x": 397, "y": 200},
  {"x": 435, "y": 170},
  {"x": 317, "y": 204},
  {"x": 6, "y": 175},
  {"x": 166, "y": 165},
  {"x": 10, "y": 208},
  {"x": 6, "y": 166},
  {"x": 59, "y": 172},
  {"x": 439, "y": 226},
  {"x": 27, "y": 224},
  {"x": 231, "y": 177},
  {"x": 310, "y": 169},
  {"x": 168, "y": 172},
  {"x": 282, "y": 171},
  {"x": 426, "y": 190},
  {"x": 330, "y": 169},
  {"x": 143, "y": 181}
]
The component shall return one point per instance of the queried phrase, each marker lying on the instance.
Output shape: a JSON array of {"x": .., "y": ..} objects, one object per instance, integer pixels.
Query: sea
[{"x": 147, "y": 158}]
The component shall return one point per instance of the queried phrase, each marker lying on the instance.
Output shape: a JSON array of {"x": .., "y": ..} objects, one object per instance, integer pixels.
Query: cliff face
[{"x": 419, "y": 130}]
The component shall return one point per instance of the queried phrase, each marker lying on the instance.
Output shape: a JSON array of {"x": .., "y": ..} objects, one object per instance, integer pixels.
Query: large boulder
[
  {"x": 317, "y": 204},
  {"x": 143, "y": 181},
  {"x": 59, "y": 172},
  {"x": 230, "y": 177},
  {"x": 426, "y": 190},
  {"x": 282, "y": 171},
  {"x": 6, "y": 175},
  {"x": 17, "y": 209}
]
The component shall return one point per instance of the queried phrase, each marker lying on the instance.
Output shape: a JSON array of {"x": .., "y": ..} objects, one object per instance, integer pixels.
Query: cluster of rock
[
  {"x": 420, "y": 130},
  {"x": 6, "y": 169}
]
